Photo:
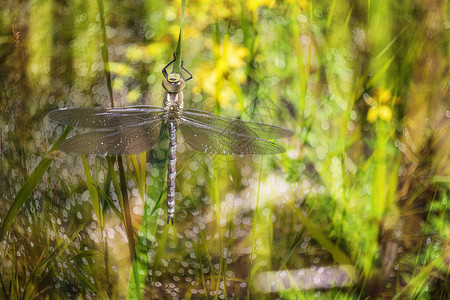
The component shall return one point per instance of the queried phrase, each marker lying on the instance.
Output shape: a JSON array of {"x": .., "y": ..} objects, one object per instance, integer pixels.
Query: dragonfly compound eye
[
  {"x": 173, "y": 83},
  {"x": 173, "y": 78}
]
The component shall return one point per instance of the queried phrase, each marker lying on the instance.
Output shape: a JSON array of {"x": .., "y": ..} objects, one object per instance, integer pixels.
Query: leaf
[
  {"x": 86, "y": 254},
  {"x": 110, "y": 203},
  {"x": 177, "y": 63},
  {"x": 93, "y": 192}
]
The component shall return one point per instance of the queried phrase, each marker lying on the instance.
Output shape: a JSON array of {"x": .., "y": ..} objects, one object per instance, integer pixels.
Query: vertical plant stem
[
  {"x": 250, "y": 276},
  {"x": 123, "y": 185},
  {"x": 217, "y": 202},
  {"x": 106, "y": 261},
  {"x": 105, "y": 54},
  {"x": 177, "y": 63},
  {"x": 126, "y": 208}
]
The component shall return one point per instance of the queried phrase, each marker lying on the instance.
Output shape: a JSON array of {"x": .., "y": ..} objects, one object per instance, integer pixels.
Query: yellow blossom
[
  {"x": 378, "y": 109},
  {"x": 191, "y": 32},
  {"x": 236, "y": 55},
  {"x": 383, "y": 95},
  {"x": 230, "y": 58},
  {"x": 385, "y": 113},
  {"x": 205, "y": 79},
  {"x": 174, "y": 31},
  {"x": 252, "y": 5},
  {"x": 372, "y": 115},
  {"x": 156, "y": 49}
]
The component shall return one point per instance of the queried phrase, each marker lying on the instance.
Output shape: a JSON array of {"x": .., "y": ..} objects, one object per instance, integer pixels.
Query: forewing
[
  {"x": 128, "y": 140},
  {"x": 251, "y": 129},
  {"x": 214, "y": 140},
  {"x": 105, "y": 118}
]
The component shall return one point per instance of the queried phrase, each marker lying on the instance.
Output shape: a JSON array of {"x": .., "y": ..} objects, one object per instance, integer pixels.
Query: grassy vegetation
[{"x": 357, "y": 208}]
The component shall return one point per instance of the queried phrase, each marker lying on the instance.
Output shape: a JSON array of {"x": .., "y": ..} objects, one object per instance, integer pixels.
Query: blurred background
[{"x": 356, "y": 208}]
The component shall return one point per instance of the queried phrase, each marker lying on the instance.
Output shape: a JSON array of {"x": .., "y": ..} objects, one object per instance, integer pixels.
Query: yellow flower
[
  {"x": 383, "y": 95},
  {"x": 385, "y": 113},
  {"x": 190, "y": 32},
  {"x": 252, "y": 5},
  {"x": 372, "y": 115},
  {"x": 174, "y": 31},
  {"x": 377, "y": 108},
  {"x": 212, "y": 79},
  {"x": 156, "y": 49},
  {"x": 236, "y": 55},
  {"x": 205, "y": 79}
]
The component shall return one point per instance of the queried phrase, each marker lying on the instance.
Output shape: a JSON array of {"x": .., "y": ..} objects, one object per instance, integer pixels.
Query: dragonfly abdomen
[{"x": 171, "y": 170}]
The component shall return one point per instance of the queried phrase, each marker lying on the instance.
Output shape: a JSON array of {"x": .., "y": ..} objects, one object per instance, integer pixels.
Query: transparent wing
[
  {"x": 127, "y": 140},
  {"x": 105, "y": 118},
  {"x": 208, "y": 138},
  {"x": 252, "y": 129}
]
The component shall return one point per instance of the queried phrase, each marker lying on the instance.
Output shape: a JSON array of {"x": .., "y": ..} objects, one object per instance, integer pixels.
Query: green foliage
[
  {"x": 27, "y": 188},
  {"x": 362, "y": 190}
]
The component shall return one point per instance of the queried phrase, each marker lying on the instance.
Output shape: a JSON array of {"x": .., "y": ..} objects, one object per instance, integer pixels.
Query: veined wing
[
  {"x": 209, "y": 138},
  {"x": 124, "y": 141},
  {"x": 105, "y": 118},
  {"x": 251, "y": 129}
]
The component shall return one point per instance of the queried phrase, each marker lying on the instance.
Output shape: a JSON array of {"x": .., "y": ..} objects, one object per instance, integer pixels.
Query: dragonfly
[{"x": 136, "y": 129}]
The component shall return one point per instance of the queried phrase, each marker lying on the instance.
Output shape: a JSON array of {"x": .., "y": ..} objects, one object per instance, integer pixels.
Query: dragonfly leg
[
  {"x": 190, "y": 75},
  {"x": 164, "y": 70}
]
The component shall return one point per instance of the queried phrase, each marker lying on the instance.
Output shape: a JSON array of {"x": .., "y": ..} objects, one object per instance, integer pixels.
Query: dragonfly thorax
[{"x": 173, "y": 102}]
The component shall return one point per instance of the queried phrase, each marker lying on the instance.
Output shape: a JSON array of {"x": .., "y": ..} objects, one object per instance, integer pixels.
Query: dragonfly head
[{"x": 173, "y": 83}]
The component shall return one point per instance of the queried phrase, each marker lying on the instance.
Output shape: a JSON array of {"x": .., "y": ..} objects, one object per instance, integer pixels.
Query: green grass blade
[
  {"x": 320, "y": 237},
  {"x": 420, "y": 279},
  {"x": 86, "y": 254},
  {"x": 105, "y": 54},
  {"x": 253, "y": 268},
  {"x": 147, "y": 231},
  {"x": 43, "y": 261},
  {"x": 380, "y": 72},
  {"x": 110, "y": 203},
  {"x": 126, "y": 209},
  {"x": 139, "y": 171},
  {"x": 177, "y": 63},
  {"x": 93, "y": 192},
  {"x": 389, "y": 45},
  {"x": 27, "y": 189},
  {"x": 330, "y": 16}
]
